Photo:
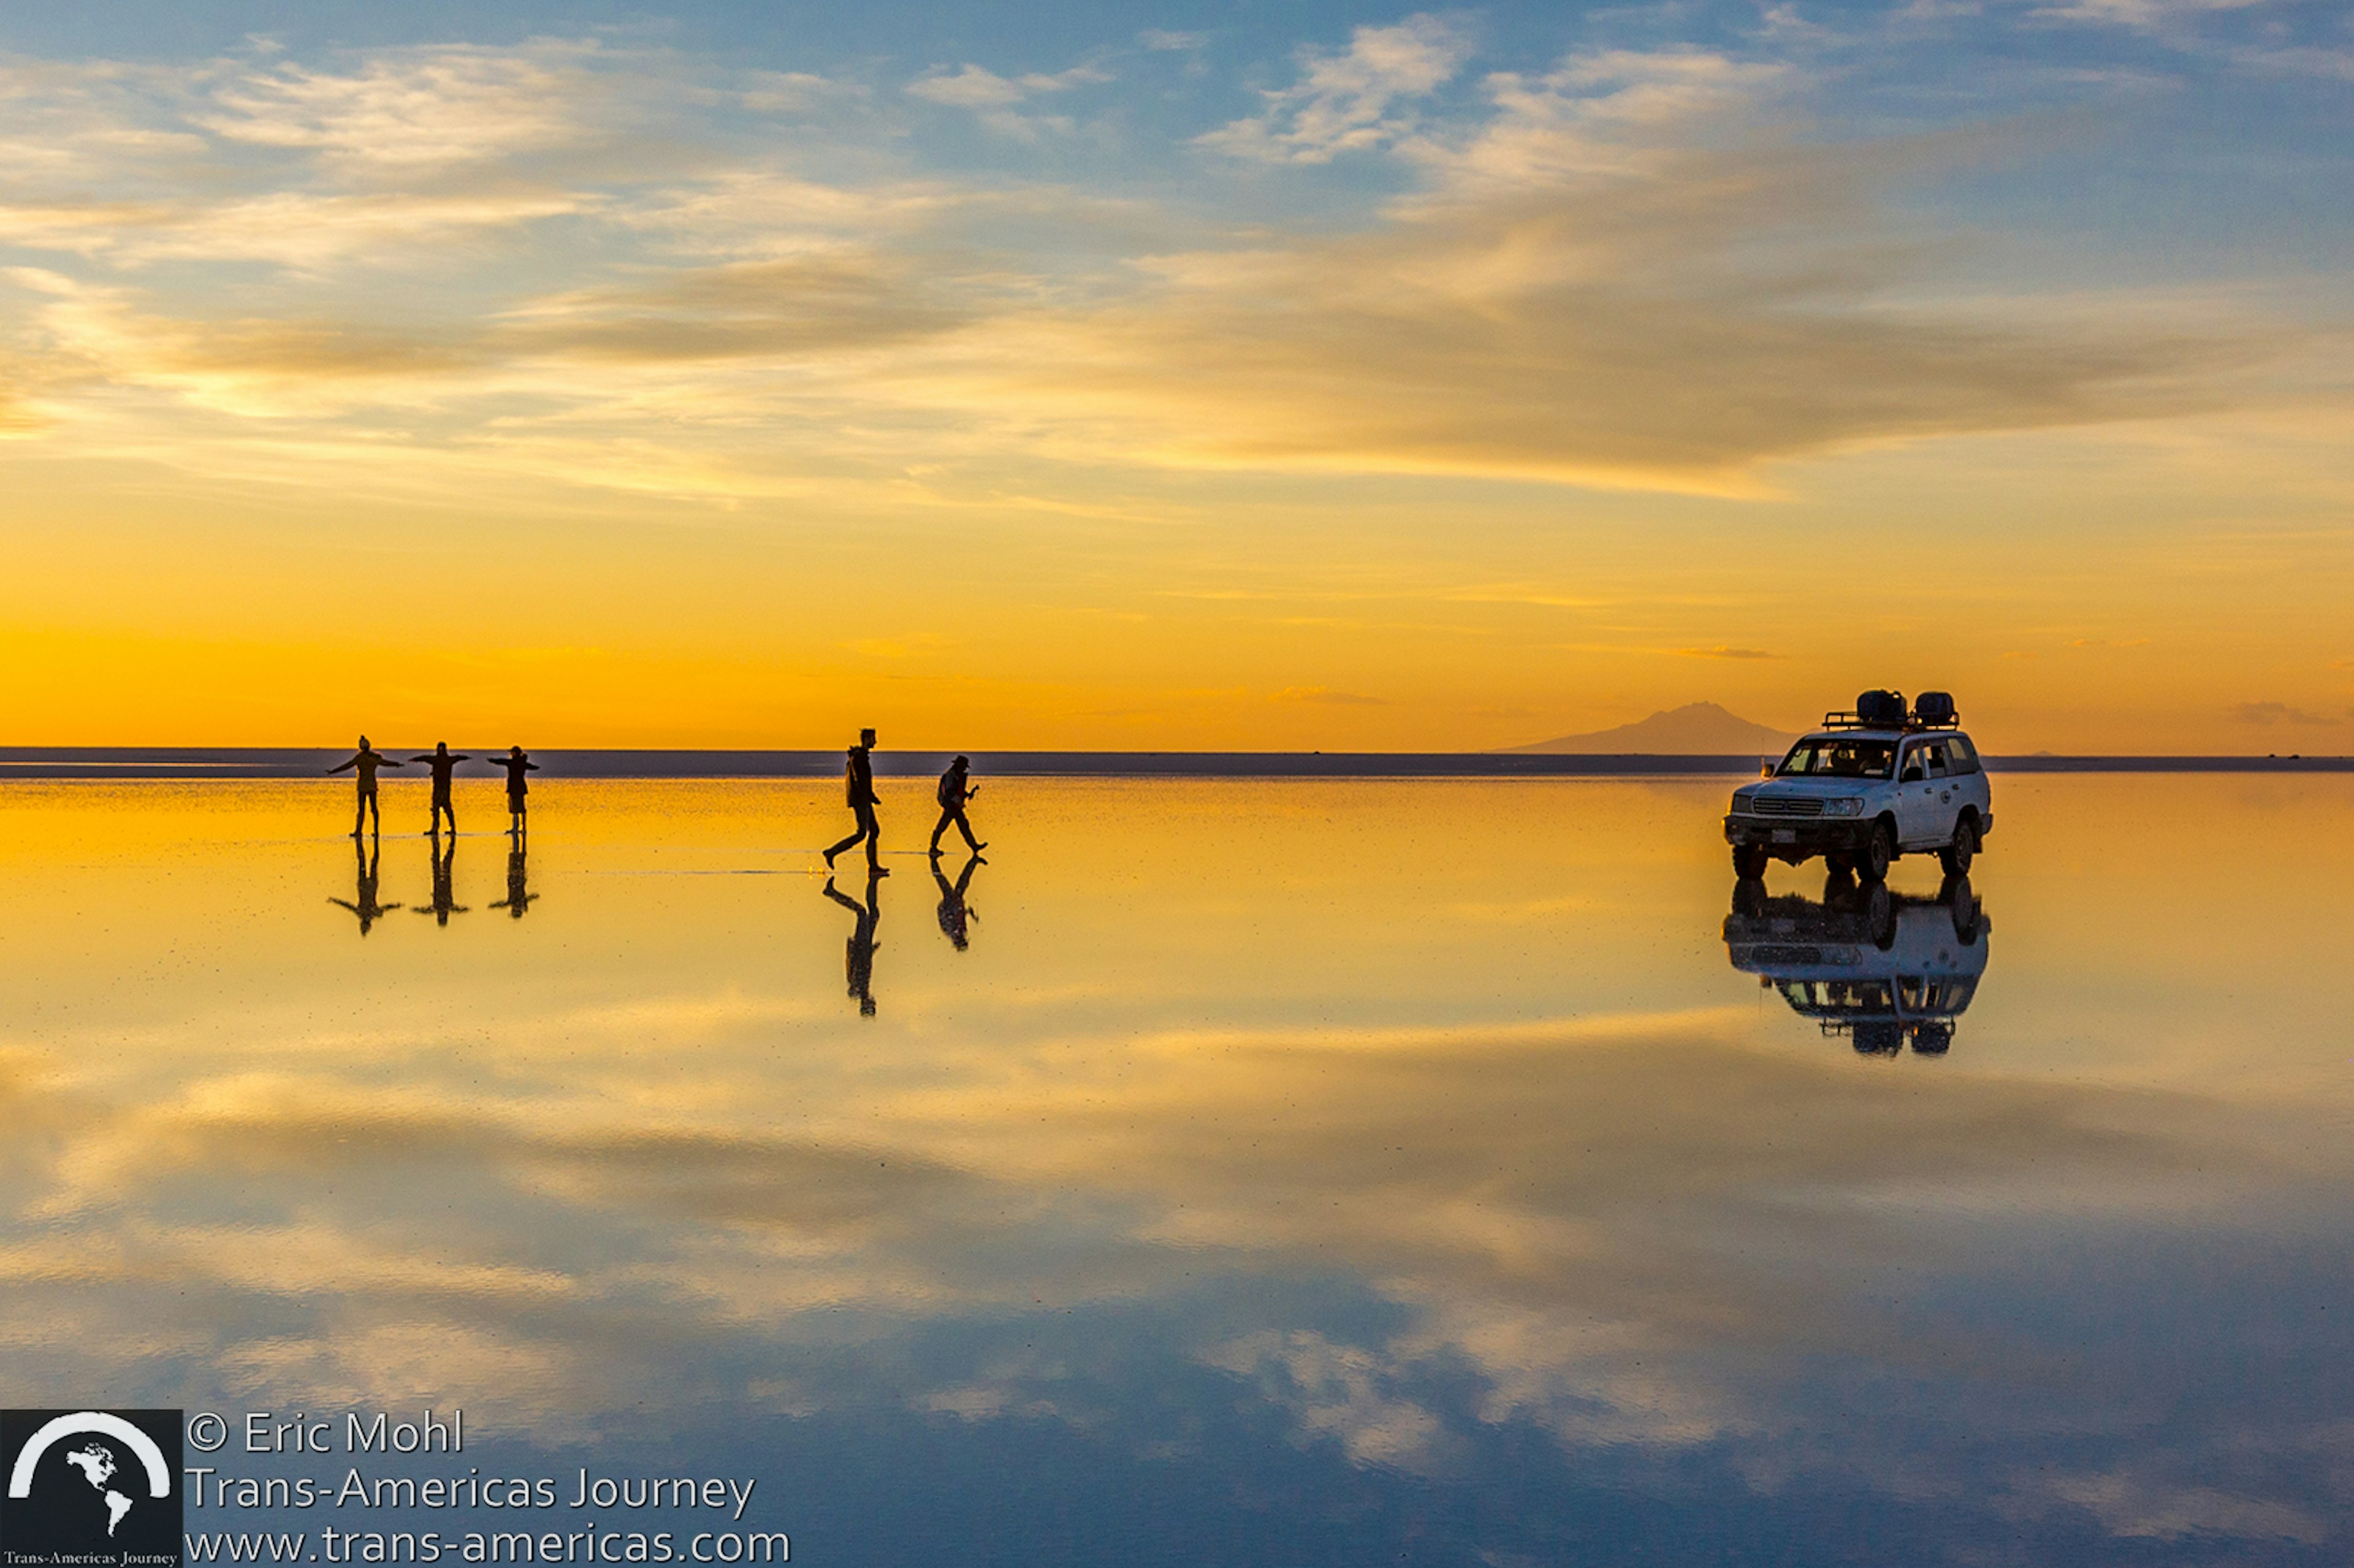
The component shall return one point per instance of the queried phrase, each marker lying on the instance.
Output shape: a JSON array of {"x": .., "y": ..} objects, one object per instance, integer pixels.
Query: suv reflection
[{"x": 1883, "y": 969}]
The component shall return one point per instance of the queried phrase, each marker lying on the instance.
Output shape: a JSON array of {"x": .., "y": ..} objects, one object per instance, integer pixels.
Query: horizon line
[{"x": 185, "y": 762}]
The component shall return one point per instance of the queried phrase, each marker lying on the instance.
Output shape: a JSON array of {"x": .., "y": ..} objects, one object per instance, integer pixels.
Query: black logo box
[{"x": 88, "y": 1480}]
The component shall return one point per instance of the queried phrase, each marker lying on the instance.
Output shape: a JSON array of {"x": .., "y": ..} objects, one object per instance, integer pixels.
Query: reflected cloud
[{"x": 637, "y": 1156}]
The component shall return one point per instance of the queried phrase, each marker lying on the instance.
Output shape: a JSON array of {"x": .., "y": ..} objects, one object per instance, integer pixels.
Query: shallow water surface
[{"x": 1282, "y": 1171}]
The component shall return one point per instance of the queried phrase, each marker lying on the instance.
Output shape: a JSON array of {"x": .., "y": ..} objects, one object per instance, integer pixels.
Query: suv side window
[
  {"x": 1912, "y": 771},
  {"x": 1936, "y": 750},
  {"x": 1964, "y": 760}
]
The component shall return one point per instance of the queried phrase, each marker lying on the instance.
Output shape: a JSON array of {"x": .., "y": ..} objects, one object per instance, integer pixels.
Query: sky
[{"x": 1189, "y": 375}]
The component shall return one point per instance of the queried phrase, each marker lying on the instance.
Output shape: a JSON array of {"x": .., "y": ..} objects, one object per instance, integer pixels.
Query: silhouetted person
[
  {"x": 518, "y": 786},
  {"x": 362, "y": 902},
  {"x": 858, "y": 960},
  {"x": 365, "y": 760},
  {"x": 445, "y": 903},
  {"x": 519, "y": 894},
  {"x": 441, "y": 760},
  {"x": 955, "y": 913},
  {"x": 858, "y": 781},
  {"x": 953, "y": 792}
]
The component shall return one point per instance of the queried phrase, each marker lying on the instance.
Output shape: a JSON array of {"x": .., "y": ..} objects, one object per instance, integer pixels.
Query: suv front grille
[{"x": 1785, "y": 806}]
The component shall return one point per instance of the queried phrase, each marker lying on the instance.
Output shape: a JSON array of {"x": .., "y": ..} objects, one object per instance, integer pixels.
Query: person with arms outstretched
[
  {"x": 441, "y": 760},
  {"x": 362, "y": 765},
  {"x": 954, "y": 791},
  {"x": 858, "y": 781},
  {"x": 517, "y": 764}
]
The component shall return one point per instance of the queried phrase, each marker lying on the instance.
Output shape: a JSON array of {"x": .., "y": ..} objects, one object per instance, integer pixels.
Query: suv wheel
[
  {"x": 1879, "y": 849},
  {"x": 1957, "y": 856},
  {"x": 1748, "y": 861}
]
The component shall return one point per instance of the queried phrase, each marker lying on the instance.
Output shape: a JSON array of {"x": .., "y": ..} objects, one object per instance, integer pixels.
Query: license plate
[{"x": 1786, "y": 836}]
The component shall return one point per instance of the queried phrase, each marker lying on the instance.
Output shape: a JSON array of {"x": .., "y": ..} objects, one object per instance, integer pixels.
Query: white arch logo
[{"x": 98, "y": 1422}]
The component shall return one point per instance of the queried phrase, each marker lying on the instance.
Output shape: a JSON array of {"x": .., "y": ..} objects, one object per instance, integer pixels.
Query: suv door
[
  {"x": 1921, "y": 819},
  {"x": 1970, "y": 790}
]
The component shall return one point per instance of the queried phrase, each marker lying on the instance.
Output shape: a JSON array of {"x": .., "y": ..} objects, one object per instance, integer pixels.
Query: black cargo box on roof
[
  {"x": 1880, "y": 708},
  {"x": 1934, "y": 709}
]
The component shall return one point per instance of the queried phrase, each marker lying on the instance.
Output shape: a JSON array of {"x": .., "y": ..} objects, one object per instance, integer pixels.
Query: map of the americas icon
[{"x": 98, "y": 1466}]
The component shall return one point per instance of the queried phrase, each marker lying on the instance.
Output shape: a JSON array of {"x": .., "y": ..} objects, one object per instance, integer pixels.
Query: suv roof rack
[{"x": 1841, "y": 719}]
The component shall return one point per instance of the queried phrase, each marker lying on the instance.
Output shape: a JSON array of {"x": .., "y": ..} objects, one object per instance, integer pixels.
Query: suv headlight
[
  {"x": 1844, "y": 806},
  {"x": 1740, "y": 802}
]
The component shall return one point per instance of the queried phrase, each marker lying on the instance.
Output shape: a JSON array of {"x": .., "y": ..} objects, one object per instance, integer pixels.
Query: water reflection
[
  {"x": 956, "y": 914},
  {"x": 1386, "y": 1198},
  {"x": 520, "y": 896},
  {"x": 1883, "y": 969},
  {"x": 363, "y": 901},
  {"x": 858, "y": 956},
  {"x": 445, "y": 859}
]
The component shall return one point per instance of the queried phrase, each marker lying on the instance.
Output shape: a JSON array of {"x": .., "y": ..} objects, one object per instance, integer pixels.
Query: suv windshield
[{"x": 1838, "y": 757}]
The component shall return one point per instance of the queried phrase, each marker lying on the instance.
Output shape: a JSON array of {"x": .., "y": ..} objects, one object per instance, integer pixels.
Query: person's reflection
[
  {"x": 362, "y": 902},
  {"x": 445, "y": 903},
  {"x": 520, "y": 896},
  {"x": 955, "y": 913},
  {"x": 858, "y": 960}
]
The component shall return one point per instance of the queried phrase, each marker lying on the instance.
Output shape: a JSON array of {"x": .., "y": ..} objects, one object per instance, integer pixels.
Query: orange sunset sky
[{"x": 1116, "y": 379}]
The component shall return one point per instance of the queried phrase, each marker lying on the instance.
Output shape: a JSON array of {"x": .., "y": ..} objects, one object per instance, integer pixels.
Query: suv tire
[
  {"x": 1748, "y": 861},
  {"x": 1878, "y": 852},
  {"x": 1955, "y": 857}
]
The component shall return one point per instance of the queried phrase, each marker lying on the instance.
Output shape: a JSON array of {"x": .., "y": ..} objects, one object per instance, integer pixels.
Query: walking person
[
  {"x": 954, "y": 792},
  {"x": 362, "y": 765},
  {"x": 517, "y": 764},
  {"x": 858, "y": 782},
  {"x": 441, "y": 760}
]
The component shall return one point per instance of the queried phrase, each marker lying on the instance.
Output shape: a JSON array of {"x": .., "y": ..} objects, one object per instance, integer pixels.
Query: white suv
[{"x": 1868, "y": 786}]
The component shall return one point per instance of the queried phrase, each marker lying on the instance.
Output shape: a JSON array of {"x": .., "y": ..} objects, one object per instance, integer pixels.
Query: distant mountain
[{"x": 1695, "y": 729}]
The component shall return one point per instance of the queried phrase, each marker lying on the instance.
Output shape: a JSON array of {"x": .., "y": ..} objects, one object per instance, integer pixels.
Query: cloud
[
  {"x": 413, "y": 112},
  {"x": 1328, "y": 695},
  {"x": 810, "y": 305},
  {"x": 1357, "y": 98},
  {"x": 992, "y": 97},
  {"x": 2268, "y": 714},
  {"x": 1343, "y": 1391},
  {"x": 971, "y": 87},
  {"x": 1619, "y": 272},
  {"x": 1161, "y": 39},
  {"x": 2142, "y": 16},
  {"x": 2140, "y": 1507}
]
